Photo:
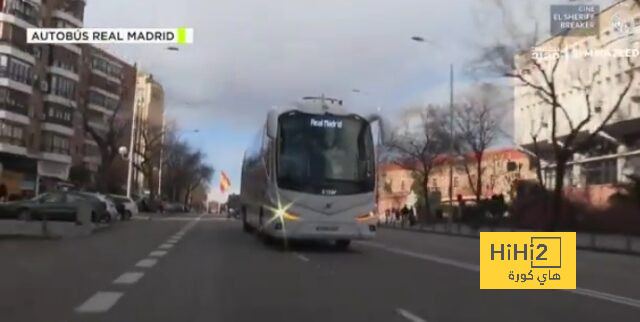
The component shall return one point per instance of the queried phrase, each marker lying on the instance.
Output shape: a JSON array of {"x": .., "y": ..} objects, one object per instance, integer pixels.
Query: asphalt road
[{"x": 191, "y": 268}]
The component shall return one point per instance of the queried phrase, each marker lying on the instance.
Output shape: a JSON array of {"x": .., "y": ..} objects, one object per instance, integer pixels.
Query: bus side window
[{"x": 268, "y": 156}]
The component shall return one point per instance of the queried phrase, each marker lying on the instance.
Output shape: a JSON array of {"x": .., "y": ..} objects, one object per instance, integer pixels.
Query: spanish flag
[{"x": 225, "y": 183}]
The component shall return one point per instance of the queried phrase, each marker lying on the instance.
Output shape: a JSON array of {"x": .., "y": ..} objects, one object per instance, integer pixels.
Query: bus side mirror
[
  {"x": 272, "y": 124},
  {"x": 383, "y": 126}
]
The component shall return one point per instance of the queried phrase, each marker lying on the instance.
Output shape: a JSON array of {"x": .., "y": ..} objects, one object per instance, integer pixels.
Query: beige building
[
  {"x": 149, "y": 118},
  {"x": 616, "y": 150},
  {"x": 501, "y": 169}
]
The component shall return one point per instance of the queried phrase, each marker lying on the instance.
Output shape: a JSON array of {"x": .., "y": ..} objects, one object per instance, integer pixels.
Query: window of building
[
  {"x": 73, "y": 7},
  {"x": 55, "y": 143},
  {"x": 102, "y": 100},
  {"x": 64, "y": 65},
  {"x": 61, "y": 23},
  {"x": 59, "y": 114},
  {"x": 601, "y": 172},
  {"x": 62, "y": 86},
  {"x": 25, "y": 10},
  {"x": 15, "y": 69},
  {"x": 106, "y": 67},
  {"x": 11, "y": 133},
  {"x": 14, "y": 101}
]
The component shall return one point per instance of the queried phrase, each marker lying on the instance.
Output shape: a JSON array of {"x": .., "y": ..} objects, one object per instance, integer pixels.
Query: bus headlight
[
  {"x": 283, "y": 214},
  {"x": 365, "y": 217}
]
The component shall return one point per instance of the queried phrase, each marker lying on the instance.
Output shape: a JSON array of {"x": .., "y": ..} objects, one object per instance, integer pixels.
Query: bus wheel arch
[{"x": 245, "y": 224}]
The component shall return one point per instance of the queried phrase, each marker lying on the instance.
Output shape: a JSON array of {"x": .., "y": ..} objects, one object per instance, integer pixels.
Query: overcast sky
[{"x": 249, "y": 55}]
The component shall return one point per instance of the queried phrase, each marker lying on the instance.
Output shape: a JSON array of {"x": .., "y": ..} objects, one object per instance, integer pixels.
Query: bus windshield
[{"x": 325, "y": 154}]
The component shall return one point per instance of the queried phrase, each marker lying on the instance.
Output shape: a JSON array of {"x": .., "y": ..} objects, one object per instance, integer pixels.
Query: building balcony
[
  {"x": 20, "y": 19},
  {"x": 106, "y": 76},
  {"x": 99, "y": 125},
  {"x": 71, "y": 47},
  {"x": 64, "y": 72},
  {"x": 100, "y": 109},
  {"x": 57, "y": 126},
  {"x": 60, "y": 100},
  {"x": 10, "y": 50},
  {"x": 7, "y": 82},
  {"x": 56, "y": 154},
  {"x": 13, "y": 145},
  {"x": 14, "y": 114},
  {"x": 68, "y": 17},
  {"x": 105, "y": 93}
]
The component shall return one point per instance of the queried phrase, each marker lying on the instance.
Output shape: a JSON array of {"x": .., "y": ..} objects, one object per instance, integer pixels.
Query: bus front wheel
[
  {"x": 343, "y": 244},
  {"x": 245, "y": 225}
]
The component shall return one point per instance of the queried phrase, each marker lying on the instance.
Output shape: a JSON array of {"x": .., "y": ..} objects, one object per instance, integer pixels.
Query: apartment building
[
  {"x": 501, "y": 169},
  {"x": 150, "y": 120},
  {"x": 44, "y": 93},
  {"x": 107, "y": 89},
  {"x": 616, "y": 150}
]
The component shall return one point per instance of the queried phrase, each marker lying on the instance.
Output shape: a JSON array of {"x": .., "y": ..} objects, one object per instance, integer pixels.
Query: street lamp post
[
  {"x": 451, "y": 132},
  {"x": 132, "y": 143}
]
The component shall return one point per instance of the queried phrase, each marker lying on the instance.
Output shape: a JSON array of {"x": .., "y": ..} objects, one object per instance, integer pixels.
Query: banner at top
[{"x": 109, "y": 36}]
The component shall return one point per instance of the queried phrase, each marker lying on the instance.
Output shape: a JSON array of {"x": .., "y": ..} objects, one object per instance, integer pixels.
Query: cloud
[{"x": 249, "y": 55}]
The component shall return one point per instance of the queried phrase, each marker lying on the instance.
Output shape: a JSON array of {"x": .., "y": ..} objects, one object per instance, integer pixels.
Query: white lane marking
[
  {"x": 606, "y": 296},
  {"x": 99, "y": 302},
  {"x": 165, "y": 246},
  {"x": 431, "y": 258},
  {"x": 409, "y": 316},
  {"x": 302, "y": 257},
  {"x": 158, "y": 253},
  {"x": 475, "y": 268},
  {"x": 147, "y": 262},
  {"x": 128, "y": 278}
]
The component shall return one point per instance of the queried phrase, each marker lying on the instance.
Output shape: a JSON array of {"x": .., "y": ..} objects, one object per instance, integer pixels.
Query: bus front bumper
[{"x": 321, "y": 230}]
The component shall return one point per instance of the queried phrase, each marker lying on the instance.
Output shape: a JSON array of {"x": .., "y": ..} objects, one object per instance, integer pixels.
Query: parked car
[
  {"x": 110, "y": 206},
  {"x": 125, "y": 206},
  {"x": 55, "y": 206}
]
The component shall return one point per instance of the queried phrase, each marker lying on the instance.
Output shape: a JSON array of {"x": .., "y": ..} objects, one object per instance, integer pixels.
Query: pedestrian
[
  {"x": 387, "y": 215},
  {"x": 405, "y": 214},
  {"x": 3, "y": 192},
  {"x": 396, "y": 213}
]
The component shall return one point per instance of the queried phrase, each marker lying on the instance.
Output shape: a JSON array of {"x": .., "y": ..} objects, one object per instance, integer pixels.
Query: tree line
[{"x": 159, "y": 149}]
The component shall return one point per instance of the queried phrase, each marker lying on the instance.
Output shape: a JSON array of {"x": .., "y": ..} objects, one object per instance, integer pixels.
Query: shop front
[{"x": 17, "y": 175}]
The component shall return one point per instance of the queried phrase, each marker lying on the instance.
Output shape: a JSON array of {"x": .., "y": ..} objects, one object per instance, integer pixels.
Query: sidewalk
[{"x": 590, "y": 241}]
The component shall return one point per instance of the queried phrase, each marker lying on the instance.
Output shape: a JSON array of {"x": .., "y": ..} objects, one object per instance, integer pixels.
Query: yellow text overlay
[{"x": 527, "y": 260}]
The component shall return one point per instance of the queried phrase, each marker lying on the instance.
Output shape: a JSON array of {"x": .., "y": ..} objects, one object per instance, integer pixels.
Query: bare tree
[
  {"x": 185, "y": 170},
  {"x": 418, "y": 147},
  {"x": 477, "y": 125},
  {"x": 546, "y": 79},
  {"x": 198, "y": 174},
  {"x": 148, "y": 153},
  {"x": 108, "y": 142}
]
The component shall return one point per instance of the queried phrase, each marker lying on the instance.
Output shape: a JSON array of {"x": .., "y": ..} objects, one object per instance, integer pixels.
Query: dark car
[{"x": 55, "y": 206}]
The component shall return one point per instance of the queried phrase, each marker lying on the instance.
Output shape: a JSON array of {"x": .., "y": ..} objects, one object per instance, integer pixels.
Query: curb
[{"x": 611, "y": 250}]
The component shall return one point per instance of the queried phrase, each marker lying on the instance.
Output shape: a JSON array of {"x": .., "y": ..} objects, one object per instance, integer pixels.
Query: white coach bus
[{"x": 310, "y": 174}]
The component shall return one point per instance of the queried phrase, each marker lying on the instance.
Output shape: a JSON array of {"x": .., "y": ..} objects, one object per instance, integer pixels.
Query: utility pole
[
  {"x": 132, "y": 142},
  {"x": 161, "y": 156},
  {"x": 451, "y": 147}
]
